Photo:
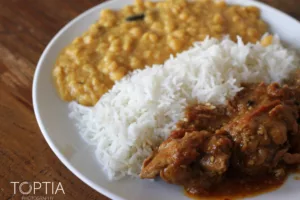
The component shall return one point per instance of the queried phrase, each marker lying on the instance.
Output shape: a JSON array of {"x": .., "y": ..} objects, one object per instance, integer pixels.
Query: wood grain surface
[{"x": 26, "y": 26}]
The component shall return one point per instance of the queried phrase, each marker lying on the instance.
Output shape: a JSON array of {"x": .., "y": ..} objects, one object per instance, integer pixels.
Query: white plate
[{"x": 61, "y": 135}]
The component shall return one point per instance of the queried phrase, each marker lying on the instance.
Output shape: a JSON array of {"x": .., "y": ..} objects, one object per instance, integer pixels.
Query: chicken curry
[{"x": 256, "y": 136}]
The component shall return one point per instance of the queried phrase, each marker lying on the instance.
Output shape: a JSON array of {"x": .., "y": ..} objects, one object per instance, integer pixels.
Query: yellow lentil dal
[{"x": 143, "y": 34}]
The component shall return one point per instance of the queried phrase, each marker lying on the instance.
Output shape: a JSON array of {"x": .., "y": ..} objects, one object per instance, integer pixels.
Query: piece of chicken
[
  {"x": 197, "y": 160},
  {"x": 177, "y": 151},
  {"x": 260, "y": 131}
]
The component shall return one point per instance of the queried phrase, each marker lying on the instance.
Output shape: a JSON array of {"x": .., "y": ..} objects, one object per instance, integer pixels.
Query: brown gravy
[{"x": 237, "y": 186}]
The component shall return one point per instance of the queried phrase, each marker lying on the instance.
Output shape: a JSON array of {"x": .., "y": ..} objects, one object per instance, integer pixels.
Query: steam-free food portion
[
  {"x": 141, "y": 110},
  {"x": 194, "y": 92},
  {"x": 145, "y": 33},
  {"x": 255, "y": 134}
]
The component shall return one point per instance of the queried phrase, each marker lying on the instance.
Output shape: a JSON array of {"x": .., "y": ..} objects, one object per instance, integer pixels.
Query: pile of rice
[{"x": 139, "y": 112}]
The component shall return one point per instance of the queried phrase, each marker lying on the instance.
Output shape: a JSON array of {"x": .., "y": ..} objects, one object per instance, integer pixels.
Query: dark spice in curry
[{"x": 135, "y": 17}]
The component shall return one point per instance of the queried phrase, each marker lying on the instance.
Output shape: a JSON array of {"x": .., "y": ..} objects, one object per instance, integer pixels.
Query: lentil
[{"x": 128, "y": 39}]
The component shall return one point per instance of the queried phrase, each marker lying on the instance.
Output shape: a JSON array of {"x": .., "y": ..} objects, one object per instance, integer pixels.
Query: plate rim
[
  {"x": 45, "y": 134},
  {"x": 39, "y": 67}
]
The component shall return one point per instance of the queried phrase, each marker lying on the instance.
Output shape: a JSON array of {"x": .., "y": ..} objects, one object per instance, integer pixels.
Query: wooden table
[{"x": 26, "y": 26}]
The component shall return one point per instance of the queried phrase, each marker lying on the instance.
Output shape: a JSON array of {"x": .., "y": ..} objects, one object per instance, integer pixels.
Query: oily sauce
[
  {"x": 238, "y": 186},
  {"x": 296, "y": 171}
]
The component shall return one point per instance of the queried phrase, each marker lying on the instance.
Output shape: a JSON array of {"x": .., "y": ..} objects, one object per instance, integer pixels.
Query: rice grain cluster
[{"x": 139, "y": 112}]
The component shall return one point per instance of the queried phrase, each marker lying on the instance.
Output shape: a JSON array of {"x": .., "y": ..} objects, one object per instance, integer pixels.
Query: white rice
[{"x": 139, "y": 112}]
